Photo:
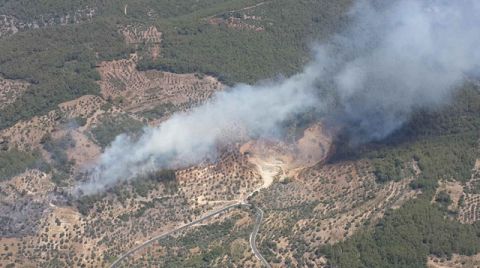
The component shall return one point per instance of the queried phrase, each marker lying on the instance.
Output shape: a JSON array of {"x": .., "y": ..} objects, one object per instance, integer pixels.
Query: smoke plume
[{"x": 395, "y": 57}]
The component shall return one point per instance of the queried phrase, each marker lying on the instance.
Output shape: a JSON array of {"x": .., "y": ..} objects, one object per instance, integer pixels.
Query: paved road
[
  {"x": 253, "y": 237},
  {"x": 150, "y": 241}
]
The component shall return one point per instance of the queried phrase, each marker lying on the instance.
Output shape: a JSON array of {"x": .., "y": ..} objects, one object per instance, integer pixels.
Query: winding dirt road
[
  {"x": 155, "y": 238},
  {"x": 253, "y": 235}
]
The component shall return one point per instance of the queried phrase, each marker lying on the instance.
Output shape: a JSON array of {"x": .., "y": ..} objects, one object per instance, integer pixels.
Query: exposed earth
[{"x": 262, "y": 202}]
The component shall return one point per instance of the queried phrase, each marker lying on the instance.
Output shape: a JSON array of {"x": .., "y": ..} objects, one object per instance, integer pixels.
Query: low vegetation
[
  {"x": 110, "y": 127},
  {"x": 220, "y": 243},
  {"x": 145, "y": 183},
  {"x": 159, "y": 111},
  {"x": 58, "y": 154},
  {"x": 140, "y": 186},
  {"x": 14, "y": 162}
]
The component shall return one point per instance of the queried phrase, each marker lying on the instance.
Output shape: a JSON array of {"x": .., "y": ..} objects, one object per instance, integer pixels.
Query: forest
[
  {"x": 444, "y": 143},
  {"x": 60, "y": 63},
  {"x": 405, "y": 237}
]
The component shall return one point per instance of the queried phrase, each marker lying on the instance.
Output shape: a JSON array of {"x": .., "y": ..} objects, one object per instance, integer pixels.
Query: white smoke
[
  {"x": 407, "y": 55},
  {"x": 396, "y": 57},
  {"x": 188, "y": 138}
]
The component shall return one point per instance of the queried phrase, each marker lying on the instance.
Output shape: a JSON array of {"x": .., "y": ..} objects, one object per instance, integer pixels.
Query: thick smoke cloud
[
  {"x": 407, "y": 55},
  {"x": 188, "y": 138},
  {"x": 397, "y": 56}
]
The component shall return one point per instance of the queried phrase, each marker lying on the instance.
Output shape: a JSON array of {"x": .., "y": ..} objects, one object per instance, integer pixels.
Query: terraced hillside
[{"x": 75, "y": 74}]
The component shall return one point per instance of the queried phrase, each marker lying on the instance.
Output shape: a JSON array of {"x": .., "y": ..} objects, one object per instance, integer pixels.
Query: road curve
[
  {"x": 253, "y": 234},
  {"x": 253, "y": 237},
  {"x": 155, "y": 238}
]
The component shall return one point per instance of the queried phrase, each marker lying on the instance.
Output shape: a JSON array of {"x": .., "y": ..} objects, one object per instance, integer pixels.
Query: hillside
[{"x": 76, "y": 74}]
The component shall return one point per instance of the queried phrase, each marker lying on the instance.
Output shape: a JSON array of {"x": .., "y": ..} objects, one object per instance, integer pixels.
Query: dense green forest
[
  {"x": 445, "y": 145},
  {"x": 60, "y": 61},
  {"x": 405, "y": 237},
  {"x": 290, "y": 28},
  {"x": 14, "y": 162},
  {"x": 443, "y": 142},
  {"x": 60, "y": 64}
]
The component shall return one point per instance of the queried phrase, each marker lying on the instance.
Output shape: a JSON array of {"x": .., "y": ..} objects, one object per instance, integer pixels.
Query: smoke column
[
  {"x": 396, "y": 57},
  {"x": 401, "y": 57},
  {"x": 188, "y": 138}
]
